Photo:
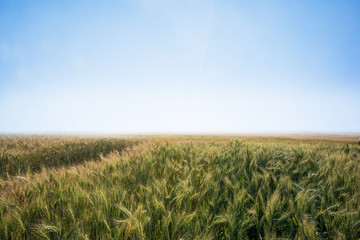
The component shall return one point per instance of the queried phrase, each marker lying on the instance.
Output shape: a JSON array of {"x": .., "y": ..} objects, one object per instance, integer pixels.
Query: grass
[
  {"x": 20, "y": 155},
  {"x": 187, "y": 188}
]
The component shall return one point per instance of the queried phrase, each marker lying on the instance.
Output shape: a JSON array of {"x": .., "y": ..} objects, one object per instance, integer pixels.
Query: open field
[{"x": 180, "y": 187}]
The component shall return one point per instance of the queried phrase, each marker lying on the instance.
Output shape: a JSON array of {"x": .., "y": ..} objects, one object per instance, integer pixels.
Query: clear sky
[{"x": 179, "y": 66}]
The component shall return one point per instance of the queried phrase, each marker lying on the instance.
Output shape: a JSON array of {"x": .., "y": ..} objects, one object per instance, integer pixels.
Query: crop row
[{"x": 202, "y": 190}]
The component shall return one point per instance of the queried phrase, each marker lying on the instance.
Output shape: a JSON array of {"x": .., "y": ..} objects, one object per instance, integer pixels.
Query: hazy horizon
[{"x": 137, "y": 67}]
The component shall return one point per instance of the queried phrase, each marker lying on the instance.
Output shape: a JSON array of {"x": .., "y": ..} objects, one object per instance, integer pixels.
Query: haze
[{"x": 179, "y": 66}]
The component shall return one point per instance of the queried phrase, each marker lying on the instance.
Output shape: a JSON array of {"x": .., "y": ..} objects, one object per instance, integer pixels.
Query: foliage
[
  {"x": 21, "y": 155},
  {"x": 192, "y": 190}
]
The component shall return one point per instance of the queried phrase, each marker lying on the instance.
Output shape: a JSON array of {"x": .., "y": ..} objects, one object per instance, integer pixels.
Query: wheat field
[{"x": 189, "y": 187}]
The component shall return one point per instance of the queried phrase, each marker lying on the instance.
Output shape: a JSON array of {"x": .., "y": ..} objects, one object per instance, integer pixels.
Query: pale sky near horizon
[{"x": 179, "y": 66}]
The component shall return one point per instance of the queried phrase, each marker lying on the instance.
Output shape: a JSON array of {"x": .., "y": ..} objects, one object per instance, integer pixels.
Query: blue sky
[{"x": 179, "y": 66}]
